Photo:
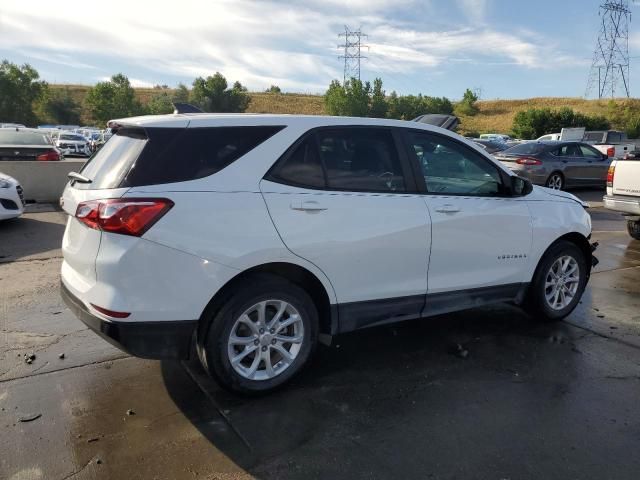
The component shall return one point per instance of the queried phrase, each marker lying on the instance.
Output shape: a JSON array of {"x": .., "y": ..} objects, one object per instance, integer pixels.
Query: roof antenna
[{"x": 185, "y": 108}]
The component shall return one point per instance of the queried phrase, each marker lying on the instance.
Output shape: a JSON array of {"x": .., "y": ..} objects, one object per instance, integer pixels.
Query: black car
[
  {"x": 27, "y": 144},
  {"x": 557, "y": 165},
  {"x": 490, "y": 146}
]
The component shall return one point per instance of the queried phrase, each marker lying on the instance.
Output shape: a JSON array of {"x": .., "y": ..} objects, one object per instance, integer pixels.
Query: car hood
[
  {"x": 544, "y": 193},
  {"x": 8, "y": 178}
]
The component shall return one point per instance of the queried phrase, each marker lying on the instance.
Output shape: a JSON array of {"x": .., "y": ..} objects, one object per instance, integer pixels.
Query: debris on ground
[
  {"x": 98, "y": 461},
  {"x": 61, "y": 356},
  {"x": 29, "y": 358},
  {"x": 130, "y": 412},
  {"x": 600, "y": 316},
  {"x": 459, "y": 351},
  {"x": 29, "y": 417},
  {"x": 93, "y": 439}
]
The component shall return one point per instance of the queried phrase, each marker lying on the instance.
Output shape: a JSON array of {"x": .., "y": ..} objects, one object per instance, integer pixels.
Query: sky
[{"x": 503, "y": 48}]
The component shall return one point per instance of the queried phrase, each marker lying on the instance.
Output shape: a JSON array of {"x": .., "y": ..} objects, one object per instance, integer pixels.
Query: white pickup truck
[
  {"x": 623, "y": 192},
  {"x": 611, "y": 142}
]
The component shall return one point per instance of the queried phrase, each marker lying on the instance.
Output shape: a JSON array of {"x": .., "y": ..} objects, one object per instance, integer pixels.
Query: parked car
[
  {"x": 255, "y": 233},
  {"x": 27, "y": 144},
  {"x": 613, "y": 143},
  {"x": 73, "y": 144},
  {"x": 491, "y": 146},
  {"x": 623, "y": 192},
  {"x": 11, "y": 197},
  {"x": 11, "y": 125},
  {"x": 496, "y": 137},
  {"x": 557, "y": 165}
]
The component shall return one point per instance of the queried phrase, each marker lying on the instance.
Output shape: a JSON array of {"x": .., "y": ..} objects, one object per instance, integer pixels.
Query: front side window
[{"x": 451, "y": 168}]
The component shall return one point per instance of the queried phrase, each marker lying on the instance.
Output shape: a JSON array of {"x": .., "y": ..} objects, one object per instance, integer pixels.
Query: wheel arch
[
  {"x": 577, "y": 239},
  {"x": 296, "y": 274}
]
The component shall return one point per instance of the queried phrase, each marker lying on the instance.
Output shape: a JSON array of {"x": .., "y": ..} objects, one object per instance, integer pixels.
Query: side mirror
[{"x": 521, "y": 187}]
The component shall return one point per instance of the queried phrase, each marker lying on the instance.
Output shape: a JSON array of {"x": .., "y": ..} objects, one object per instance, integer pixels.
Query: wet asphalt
[{"x": 529, "y": 401}]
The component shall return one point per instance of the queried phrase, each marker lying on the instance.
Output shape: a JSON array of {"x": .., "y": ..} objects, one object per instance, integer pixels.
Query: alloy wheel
[
  {"x": 265, "y": 340},
  {"x": 561, "y": 283},
  {"x": 555, "y": 182}
]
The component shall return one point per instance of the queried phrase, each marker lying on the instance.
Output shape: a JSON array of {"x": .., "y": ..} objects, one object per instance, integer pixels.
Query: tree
[
  {"x": 112, "y": 99},
  {"x": 57, "y": 106},
  {"x": 273, "y": 89},
  {"x": 160, "y": 104},
  {"x": 408, "y": 107},
  {"x": 335, "y": 99},
  {"x": 535, "y": 122},
  {"x": 212, "y": 94},
  {"x": 181, "y": 94},
  {"x": 20, "y": 88},
  {"x": 378, "y": 101},
  {"x": 467, "y": 105},
  {"x": 351, "y": 99}
]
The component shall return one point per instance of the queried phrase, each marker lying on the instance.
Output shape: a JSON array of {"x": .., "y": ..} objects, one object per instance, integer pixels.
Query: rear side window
[
  {"x": 530, "y": 148},
  {"x": 137, "y": 157},
  {"x": 348, "y": 159},
  {"x": 22, "y": 137}
]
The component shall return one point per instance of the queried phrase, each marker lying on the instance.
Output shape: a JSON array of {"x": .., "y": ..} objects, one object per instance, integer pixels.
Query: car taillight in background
[
  {"x": 528, "y": 161},
  {"x": 126, "y": 216},
  {"x": 610, "y": 174},
  {"x": 611, "y": 152},
  {"x": 50, "y": 156}
]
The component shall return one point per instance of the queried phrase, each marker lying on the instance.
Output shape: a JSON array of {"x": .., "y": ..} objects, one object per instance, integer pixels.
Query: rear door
[
  {"x": 481, "y": 238},
  {"x": 345, "y": 200}
]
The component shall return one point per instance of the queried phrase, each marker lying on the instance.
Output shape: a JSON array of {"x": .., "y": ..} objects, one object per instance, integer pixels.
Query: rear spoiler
[{"x": 450, "y": 122}]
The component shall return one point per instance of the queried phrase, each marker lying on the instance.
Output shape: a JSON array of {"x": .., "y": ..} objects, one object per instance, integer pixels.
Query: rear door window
[{"x": 152, "y": 156}]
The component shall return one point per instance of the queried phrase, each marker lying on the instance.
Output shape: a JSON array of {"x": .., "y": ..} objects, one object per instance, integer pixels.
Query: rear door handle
[
  {"x": 307, "y": 206},
  {"x": 448, "y": 208}
]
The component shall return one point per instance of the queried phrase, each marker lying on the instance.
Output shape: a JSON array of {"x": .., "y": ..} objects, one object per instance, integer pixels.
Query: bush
[
  {"x": 467, "y": 106},
  {"x": 535, "y": 122}
]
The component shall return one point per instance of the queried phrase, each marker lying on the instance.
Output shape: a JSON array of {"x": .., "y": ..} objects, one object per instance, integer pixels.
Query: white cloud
[{"x": 474, "y": 10}]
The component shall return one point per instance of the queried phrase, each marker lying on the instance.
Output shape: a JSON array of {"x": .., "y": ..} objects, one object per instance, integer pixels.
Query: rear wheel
[
  {"x": 558, "y": 283},
  {"x": 633, "y": 227},
  {"x": 262, "y": 337},
  {"x": 555, "y": 181}
]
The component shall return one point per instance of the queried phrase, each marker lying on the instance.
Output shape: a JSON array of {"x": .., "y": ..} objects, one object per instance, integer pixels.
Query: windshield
[
  {"x": 530, "y": 148},
  {"x": 66, "y": 136},
  {"x": 21, "y": 137}
]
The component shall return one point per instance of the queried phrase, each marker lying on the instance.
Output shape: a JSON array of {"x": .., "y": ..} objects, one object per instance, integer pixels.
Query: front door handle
[
  {"x": 448, "y": 208},
  {"x": 308, "y": 206}
]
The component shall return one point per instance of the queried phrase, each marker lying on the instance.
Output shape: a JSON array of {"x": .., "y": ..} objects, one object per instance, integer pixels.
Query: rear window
[
  {"x": 526, "y": 149},
  {"x": 20, "y": 137},
  {"x": 593, "y": 136},
  {"x": 76, "y": 138},
  {"x": 137, "y": 157}
]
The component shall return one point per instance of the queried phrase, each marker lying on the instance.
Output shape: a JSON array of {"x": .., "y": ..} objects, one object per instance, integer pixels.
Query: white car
[
  {"x": 11, "y": 198},
  {"x": 250, "y": 235},
  {"x": 71, "y": 144}
]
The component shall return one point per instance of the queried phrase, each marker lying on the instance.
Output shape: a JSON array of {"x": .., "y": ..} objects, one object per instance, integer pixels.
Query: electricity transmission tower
[
  {"x": 352, "y": 52},
  {"x": 610, "y": 66}
]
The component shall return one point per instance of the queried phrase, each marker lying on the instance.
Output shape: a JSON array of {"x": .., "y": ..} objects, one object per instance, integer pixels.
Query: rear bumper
[
  {"x": 630, "y": 205},
  {"x": 154, "y": 340}
]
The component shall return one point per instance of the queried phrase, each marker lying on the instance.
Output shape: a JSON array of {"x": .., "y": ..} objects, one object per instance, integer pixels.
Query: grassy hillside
[{"x": 494, "y": 115}]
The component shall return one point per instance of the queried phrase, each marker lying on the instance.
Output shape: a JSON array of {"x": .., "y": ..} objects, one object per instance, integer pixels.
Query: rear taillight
[
  {"x": 50, "y": 156},
  {"x": 611, "y": 152},
  {"x": 126, "y": 216},
  {"x": 528, "y": 161},
  {"x": 111, "y": 313},
  {"x": 610, "y": 174}
]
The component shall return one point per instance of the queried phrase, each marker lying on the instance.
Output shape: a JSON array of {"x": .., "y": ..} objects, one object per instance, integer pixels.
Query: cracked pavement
[{"x": 531, "y": 400}]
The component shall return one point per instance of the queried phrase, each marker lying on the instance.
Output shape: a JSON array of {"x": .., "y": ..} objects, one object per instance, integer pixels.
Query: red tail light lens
[
  {"x": 611, "y": 152},
  {"x": 528, "y": 161},
  {"x": 126, "y": 216},
  {"x": 610, "y": 174},
  {"x": 111, "y": 313},
  {"x": 50, "y": 156}
]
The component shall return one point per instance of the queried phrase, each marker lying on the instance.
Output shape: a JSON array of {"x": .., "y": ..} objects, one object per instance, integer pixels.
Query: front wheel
[
  {"x": 633, "y": 227},
  {"x": 262, "y": 337},
  {"x": 555, "y": 181},
  {"x": 558, "y": 283}
]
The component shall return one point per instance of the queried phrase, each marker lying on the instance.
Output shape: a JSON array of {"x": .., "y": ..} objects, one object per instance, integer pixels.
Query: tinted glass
[
  {"x": 76, "y": 138},
  {"x": 614, "y": 137},
  {"x": 302, "y": 167},
  {"x": 451, "y": 168},
  {"x": 590, "y": 153},
  {"x": 530, "y": 148},
  {"x": 21, "y": 137},
  {"x": 137, "y": 157},
  {"x": 593, "y": 136},
  {"x": 361, "y": 159},
  {"x": 570, "y": 150}
]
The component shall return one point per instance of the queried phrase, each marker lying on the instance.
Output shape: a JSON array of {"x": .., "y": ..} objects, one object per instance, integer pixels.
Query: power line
[
  {"x": 610, "y": 65},
  {"x": 352, "y": 52}
]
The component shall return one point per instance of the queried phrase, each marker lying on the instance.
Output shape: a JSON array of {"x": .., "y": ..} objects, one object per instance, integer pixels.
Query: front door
[
  {"x": 480, "y": 237},
  {"x": 345, "y": 200}
]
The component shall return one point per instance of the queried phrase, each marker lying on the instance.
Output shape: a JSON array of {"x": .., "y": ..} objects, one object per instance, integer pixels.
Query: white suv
[{"x": 247, "y": 236}]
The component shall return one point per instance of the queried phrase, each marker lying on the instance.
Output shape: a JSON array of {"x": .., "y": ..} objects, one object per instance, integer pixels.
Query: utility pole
[
  {"x": 352, "y": 52},
  {"x": 611, "y": 57}
]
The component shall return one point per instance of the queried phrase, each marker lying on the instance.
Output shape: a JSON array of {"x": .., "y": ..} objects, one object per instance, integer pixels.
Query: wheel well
[
  {"x": 577, "y": 239},
  {"x": 293, "y": 273}
]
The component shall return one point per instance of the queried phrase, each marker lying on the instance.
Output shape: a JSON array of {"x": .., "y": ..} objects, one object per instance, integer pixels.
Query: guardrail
[{"x": 42, "y": 182}]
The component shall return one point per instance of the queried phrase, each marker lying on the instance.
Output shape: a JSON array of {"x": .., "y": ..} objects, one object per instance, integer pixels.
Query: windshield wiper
[{"x": 76, "y": 177}]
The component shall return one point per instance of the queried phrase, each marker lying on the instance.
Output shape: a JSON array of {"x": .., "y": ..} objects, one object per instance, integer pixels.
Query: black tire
[
  {"x": 555, "y": 179},
  {"x": 536, "y": 303},
  {"x": 253, "y": 290},
  {"x": 633, "y": 227}
]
